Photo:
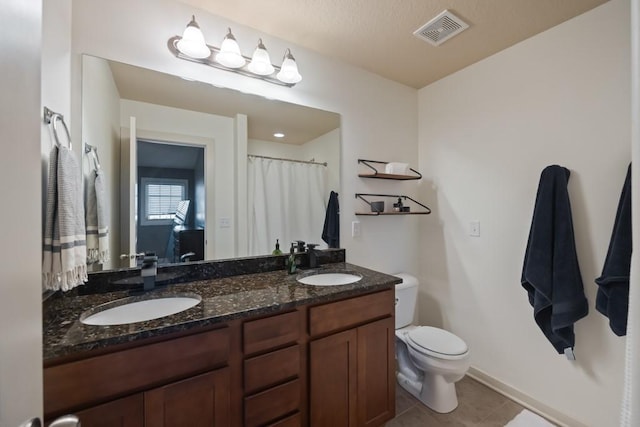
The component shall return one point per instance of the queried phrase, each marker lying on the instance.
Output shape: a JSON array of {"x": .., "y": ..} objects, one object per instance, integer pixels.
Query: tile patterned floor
[{"x": 478, "y": 406}]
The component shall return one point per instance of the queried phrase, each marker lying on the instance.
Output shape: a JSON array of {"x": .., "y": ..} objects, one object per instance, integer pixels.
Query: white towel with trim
[
  {"x": 97, "y": 216},
  {"x": 64, "y": 260}
]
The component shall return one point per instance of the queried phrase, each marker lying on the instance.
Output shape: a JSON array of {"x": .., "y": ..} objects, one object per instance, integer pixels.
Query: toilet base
[
  {"x": 439, "y": 394},
  {"x": 413, "y": 387},
  {"x": 434, "y": 392}
]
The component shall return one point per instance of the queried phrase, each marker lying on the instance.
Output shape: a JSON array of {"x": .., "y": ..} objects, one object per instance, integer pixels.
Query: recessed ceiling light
[{"x": 279, "y": 135}]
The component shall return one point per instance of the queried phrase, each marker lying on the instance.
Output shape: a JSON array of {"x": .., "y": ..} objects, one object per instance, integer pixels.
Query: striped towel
[
  {"x": 64, "y": 252},
  {"x": 97, "y": 216}
]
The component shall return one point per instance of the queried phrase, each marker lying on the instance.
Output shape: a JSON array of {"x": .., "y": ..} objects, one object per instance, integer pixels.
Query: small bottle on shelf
[{"x": 397, "y": 207}]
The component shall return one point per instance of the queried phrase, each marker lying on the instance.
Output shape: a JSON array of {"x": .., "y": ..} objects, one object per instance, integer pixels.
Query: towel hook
[
  {"x": 51, "y": 117},
  {"x": 93, "y": 152}
]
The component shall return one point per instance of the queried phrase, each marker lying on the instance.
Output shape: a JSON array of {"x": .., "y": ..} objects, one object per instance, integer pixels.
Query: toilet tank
[{"x": 406, "y": 298}]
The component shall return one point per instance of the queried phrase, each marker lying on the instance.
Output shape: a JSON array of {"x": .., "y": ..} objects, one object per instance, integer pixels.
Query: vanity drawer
[
  {"x": 351, "y": 312},
  {"x": 271, "y": 368},
  {"x": 271, "y": 332},
  {"x": 294, "y": 420},
  {"x": 105, "y": 377},
  {"x": 272, "y": 404}
]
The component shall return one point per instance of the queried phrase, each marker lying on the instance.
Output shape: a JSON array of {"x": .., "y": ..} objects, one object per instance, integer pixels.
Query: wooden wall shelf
[
  {"x": 362, "y": 196},
  {"x": 390, "y": 213},
  {"x": 379, "y": 175}
]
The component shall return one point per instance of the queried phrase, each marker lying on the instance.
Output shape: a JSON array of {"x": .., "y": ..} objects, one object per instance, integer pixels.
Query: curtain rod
[{"x": 288, "y": 160}]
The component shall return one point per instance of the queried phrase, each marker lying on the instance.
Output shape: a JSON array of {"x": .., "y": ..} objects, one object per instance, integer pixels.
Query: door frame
[{"x": 208, "y": 144}]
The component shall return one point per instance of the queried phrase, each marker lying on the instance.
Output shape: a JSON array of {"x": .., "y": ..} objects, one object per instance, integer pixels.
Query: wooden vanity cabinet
[
  {"x": 274, "y": 371},
  {"x": 352, "y": 362},
  {"x": 203, "y": 400},
  {"x": 328, "y": 364},
  {"x": 181, "y": 381},
  {"x": 125, "y": 412}
]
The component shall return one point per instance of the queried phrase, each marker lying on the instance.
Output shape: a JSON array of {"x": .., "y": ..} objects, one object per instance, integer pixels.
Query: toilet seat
[{"x": 436, "y": 342}]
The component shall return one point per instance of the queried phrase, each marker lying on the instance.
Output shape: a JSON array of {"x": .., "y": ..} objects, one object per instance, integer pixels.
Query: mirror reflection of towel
[
  {"x": 613, "y": 285},
  {"x": 97, "y": 215},
  {"x": 331, "y": 230},
  {"x": 551, "y": 274}
]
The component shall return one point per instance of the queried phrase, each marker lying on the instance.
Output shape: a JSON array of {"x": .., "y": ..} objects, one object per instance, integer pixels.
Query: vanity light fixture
[
  {"x": 191, "y": 46},
  {"x": 279, "y": 135},
  {"x": 192, "y": 42},
  {"x": 260, "y": 61},
  {"x": 289, "y": 71},
  {"x": 229, "y": 54}
]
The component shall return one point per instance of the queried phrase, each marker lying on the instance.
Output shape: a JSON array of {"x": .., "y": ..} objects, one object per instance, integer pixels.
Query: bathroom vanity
[{"x": 260, "y": 349}]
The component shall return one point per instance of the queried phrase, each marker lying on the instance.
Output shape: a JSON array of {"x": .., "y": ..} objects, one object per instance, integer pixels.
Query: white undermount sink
[
  {"x": 138, "y": 309},
  {"x": 328, "y": 278}
]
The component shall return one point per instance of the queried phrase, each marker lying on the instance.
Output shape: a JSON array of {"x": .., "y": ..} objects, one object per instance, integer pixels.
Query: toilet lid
[{"x": 437, "y": 342}]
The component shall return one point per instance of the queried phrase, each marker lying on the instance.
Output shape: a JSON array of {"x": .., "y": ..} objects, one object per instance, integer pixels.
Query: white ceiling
[
  {"x": 377, "y": 35},
  {"x": 264, "y": 116}
]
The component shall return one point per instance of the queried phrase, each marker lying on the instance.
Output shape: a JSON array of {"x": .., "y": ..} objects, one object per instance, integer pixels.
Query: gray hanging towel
[
  {"x": 613, "y": 285},
  {"x": 551, "y": 274},
  {"x": 64, "y": 252}
]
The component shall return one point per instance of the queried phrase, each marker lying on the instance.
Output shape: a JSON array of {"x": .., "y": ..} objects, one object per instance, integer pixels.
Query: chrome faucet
[
  {"x": 313, "y": 255},
  {"x": 149, "y": 270}
]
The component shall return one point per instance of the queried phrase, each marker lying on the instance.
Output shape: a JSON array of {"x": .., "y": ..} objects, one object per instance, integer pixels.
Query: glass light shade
[
  {"x": 260, "y": 62},
  {"x": 192, "y": 42},
  {"x": 229, "y": 54},
  {"x": 289, "y": 70}
]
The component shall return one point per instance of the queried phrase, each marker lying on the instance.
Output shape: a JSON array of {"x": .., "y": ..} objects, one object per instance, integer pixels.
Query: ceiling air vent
[{"x": 441, "y": 28}]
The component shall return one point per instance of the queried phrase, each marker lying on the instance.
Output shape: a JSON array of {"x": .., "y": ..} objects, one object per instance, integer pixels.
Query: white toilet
[{"x": 430, "y": 360}]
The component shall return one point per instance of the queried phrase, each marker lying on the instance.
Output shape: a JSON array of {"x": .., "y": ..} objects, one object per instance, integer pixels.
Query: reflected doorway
[{"x": 170, "y": 201}]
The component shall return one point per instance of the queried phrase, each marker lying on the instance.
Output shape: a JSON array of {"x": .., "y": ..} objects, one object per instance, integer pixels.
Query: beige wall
[
  {"x": 260, "y": 147},
  {"x": 485, "y": 133},
  {"x": 326, "y": 148},
  {"x": 101, "y": 129}
]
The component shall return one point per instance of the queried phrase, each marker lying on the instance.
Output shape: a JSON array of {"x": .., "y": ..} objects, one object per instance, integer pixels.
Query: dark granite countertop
[{"x": 223, "y": 299}]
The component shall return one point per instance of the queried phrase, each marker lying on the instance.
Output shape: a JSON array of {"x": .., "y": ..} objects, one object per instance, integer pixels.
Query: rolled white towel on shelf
[{"x": 397, "y": 168}]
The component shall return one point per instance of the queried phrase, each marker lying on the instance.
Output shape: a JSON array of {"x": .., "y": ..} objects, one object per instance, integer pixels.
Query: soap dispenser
[
  {"x": 277, "y": 250},
  {"x": 291, "y": 261}
]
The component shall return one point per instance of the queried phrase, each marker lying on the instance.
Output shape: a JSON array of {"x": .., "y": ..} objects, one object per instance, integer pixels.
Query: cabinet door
[
  {"x": 203, "y": 400},
  {"x": 125, "y": 412},
  {"x": 332, "y": 380},
  {"x": 376, "y": 372}
]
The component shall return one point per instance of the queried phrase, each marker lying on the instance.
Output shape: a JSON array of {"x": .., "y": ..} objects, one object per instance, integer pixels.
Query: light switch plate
[
  {"x": 355, "y": 229},
  {"x": 474, "y": 228}
]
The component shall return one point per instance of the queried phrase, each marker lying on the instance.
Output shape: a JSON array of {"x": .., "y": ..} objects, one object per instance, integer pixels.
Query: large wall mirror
[{"x": 196, "y": 172}]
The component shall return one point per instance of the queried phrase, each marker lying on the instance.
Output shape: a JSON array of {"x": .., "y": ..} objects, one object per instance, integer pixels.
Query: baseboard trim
[{"x": 524, "y": 399}]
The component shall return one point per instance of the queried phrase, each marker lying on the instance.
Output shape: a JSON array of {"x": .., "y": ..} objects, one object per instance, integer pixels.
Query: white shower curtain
[
  {"x": 287, "y": 201},
  {"x": 630, "y": 414}
]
